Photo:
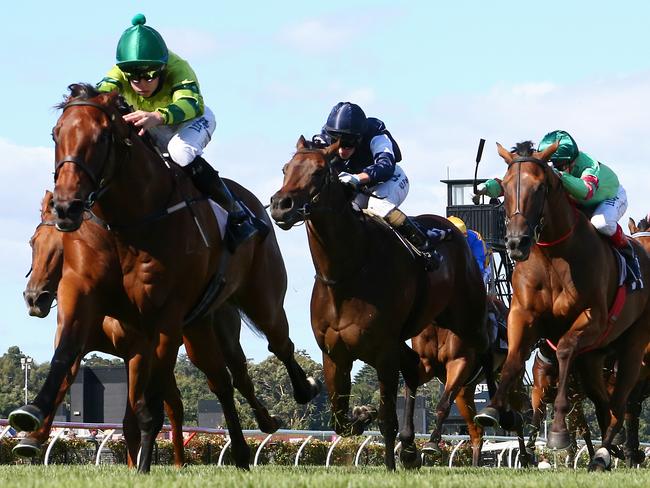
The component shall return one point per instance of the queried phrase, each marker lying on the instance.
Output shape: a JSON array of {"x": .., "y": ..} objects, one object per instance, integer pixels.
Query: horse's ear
[
  {"x": 632, "y": 226},
  {"x": 302, "y": 143},
  {"x": 504, "y": 153},
  {"x": 546, "y": 154},
  {"x": 332, "y": 149}
]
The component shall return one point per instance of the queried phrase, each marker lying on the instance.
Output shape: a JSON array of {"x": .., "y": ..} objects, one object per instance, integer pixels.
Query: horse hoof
[
  {"x": 27, "y": 418},
  {"x": 271, "y": 426},
  {"x": 431, "y": 448},
  {"x": 602, "y": 461},
  {"x": 559, "y": 440},
  {"x": 27, "y": 448},
  {"x": 410, "y": 457},
  {"x": 488, "y": 417}
]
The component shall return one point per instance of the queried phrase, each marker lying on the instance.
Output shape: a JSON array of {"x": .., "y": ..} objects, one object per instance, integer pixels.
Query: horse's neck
[
  {"x": 337, "y": 242},
  {"x": 142, "y": 185},
  {"x": 560, "y": 219}
]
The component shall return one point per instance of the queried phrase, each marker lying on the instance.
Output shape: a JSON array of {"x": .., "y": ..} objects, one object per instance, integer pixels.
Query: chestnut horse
[
  {"x": 564, "y": 285},
  {"x": 545, "y": 374},
  {"x": 444, "y": 355},
  {"x": 370, "y": 295},
  {"x": 45, "y": 274},
  {"x": 167, "y": 248}
]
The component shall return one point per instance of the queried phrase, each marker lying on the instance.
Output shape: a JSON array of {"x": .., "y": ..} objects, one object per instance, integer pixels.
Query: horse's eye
[{"x": 284, "y": 169}]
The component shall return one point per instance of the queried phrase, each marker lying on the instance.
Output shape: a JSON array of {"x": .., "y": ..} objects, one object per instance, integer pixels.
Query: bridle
[
  {"x": 537, "y": 228},
  {"x": 102, "y": 179},
  {"x": 311, "y": 205}
]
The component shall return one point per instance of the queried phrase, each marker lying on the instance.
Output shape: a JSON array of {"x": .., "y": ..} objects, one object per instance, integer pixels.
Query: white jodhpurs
[
  {"x": 609, "y": 212},
  {"x": 186, "y": 140},
  {"x": 386, "y": 196}
]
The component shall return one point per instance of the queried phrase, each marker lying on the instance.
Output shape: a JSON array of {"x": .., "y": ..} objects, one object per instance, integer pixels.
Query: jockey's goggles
[
  {"x": 347, "y": 141},
  {"x": 146, "y": 75}
]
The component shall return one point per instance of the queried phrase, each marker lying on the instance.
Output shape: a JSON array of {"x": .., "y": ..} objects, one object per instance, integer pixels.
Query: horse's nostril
[
  {"x": 286, "y": 203},
  {"x": 75, "y": 209},
  {"x": 524, "y": 242}
]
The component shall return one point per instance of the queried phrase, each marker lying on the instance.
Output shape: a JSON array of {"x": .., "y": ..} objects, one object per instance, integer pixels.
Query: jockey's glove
[
  {"x": 481, "y": 189},
  {"x": 349, "y": 179}
]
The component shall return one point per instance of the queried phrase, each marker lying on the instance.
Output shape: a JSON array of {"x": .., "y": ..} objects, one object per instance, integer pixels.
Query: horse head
[
  {"x": 642, "y": 226},
  {"x": 47, "y": 262},
  {"x": 88, "y": 137},
  {"x": 526, "y": 186},
  {"x": 310, "y": 182}
]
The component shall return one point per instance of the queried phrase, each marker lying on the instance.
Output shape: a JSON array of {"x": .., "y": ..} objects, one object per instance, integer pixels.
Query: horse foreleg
[
  {"x": 467, "y": 408},
  {"x": 457, "y": 373},
  {"x": 337, "y": 380},
  {"x": 174, "y": 409},
  {"x": 539, "y": 412},
  {"x": 30, "y": 446},
  {"x": 388, "y": 375},
  {"x": 76, "y": 318},
  {"x": 409, "y": 363},
  {"x": 522, "y": 334}
]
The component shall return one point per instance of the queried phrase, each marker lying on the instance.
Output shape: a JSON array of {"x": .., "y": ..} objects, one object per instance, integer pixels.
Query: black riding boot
[
  {"x": 632, "y": 265},
  {"x": 206, "y": 179},
  {"x": 412, "y": 233}
]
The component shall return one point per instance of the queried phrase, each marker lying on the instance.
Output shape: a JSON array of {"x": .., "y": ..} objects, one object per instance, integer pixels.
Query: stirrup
[{"x": 239, "y": 229}]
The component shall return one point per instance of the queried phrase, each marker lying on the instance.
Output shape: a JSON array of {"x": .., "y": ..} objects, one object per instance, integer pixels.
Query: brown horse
[
  {"x": 370, "y": 294},
  {"x": 444, "y": 355},
  {"x": 168, "y": 249},
  {"x": 47, "y": 265},
  {"x": 545, "y": 375},
  {"x": 564, "y": 285},
  {"x": 634, "y": 455}
]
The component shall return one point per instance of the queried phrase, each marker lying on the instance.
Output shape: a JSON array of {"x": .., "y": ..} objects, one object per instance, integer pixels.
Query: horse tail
[{"x": 251, "y": 324}]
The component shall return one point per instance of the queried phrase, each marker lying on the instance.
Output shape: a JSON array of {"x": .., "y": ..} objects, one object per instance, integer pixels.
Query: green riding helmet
[
  {"x": 141, "y": 47},
  {"x": 567, "y": 150}
]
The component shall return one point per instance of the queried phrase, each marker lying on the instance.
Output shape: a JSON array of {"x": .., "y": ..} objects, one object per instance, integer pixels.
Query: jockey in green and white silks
[
  {"x": 593, "y": 185},
  {"x": 164, "y": 92}
]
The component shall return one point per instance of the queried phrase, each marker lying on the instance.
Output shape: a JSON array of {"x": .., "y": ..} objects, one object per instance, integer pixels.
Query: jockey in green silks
[
  {"x": 164, "y": 92},
  {"x": 593, "y": 186}
]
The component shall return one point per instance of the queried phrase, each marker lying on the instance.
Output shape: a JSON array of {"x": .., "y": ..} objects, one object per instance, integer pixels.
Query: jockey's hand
[
  {"x": 144, "y": 120},
  {"x": 349, "y": 179}
]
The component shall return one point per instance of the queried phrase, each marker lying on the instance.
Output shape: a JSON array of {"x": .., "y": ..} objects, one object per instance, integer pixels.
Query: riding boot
[
  {"x": 239, "y": 227},
  {"x": 408, "y": 229},
  {"x": 624, "y": 246}
]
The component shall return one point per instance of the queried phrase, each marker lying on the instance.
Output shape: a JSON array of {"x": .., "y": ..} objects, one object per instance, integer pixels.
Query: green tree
[{"x": 273, "y": 388}]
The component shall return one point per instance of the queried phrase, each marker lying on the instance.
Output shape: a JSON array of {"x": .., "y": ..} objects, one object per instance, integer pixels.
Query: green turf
[{"x": 261, "y": 477}]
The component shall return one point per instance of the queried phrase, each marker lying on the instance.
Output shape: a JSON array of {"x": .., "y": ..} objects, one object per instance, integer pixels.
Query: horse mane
[
  {"x": 524, "y": 148},
  {"x": 86, "y": 91}
]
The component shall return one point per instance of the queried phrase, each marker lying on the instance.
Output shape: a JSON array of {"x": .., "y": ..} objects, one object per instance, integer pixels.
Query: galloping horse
[
  {"x": 564, "y": 285},
  {"x": 449, "y": 358},
  {"x": 168, "y": 248},
  {"x": 545, "y": 376},
  {"x": 45, "y": 274},
  {"x": 370, "y": 294}
]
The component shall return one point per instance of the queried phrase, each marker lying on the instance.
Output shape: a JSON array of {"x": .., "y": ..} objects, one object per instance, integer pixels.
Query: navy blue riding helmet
[{"x": 346, "y": 119}]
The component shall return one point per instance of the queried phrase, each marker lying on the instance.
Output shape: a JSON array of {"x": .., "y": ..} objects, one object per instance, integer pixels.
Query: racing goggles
[{"x": 143, "y": 74}]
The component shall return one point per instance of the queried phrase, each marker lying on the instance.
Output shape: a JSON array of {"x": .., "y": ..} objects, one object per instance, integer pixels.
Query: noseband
[
  {"x": 102, "y": 180},
  {"x": 539, "y": 223},
  {"x": 311, "y": 205}
]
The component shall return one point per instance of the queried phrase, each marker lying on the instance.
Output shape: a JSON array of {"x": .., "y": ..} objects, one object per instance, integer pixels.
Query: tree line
[{"x": 272, "y": 386}]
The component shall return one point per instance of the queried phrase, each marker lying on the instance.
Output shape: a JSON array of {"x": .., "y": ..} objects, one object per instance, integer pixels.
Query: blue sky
[{"x": 440, "y": 74}]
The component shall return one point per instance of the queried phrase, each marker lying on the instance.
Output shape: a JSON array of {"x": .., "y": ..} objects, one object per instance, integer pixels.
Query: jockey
[
  {"x": 595, "y": 189},
  {"x": 477, "y": 246},
  {"x": 164, "y": 93},
  {"x": 368, "y": 156}
]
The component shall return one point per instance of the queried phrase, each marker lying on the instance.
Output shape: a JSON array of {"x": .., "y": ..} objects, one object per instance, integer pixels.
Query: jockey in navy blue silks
[{"x": 368, "y": 156}]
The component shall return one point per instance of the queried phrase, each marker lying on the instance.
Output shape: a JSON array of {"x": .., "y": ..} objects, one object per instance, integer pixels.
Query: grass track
[{"x": 281, "y": 477}]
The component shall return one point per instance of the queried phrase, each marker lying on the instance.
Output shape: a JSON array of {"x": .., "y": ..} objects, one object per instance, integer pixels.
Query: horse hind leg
[
  {"x": 174, "y": 409},
  {"x": 269, "y": 317},
  {"x": 388, "y": 376},
  {"x": 227, "y": 327},
  {"x": 467, "y": 409}
]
